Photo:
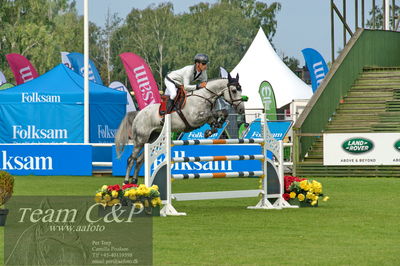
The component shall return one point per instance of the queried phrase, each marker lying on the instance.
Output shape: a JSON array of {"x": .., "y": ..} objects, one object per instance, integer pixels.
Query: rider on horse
[{"x": 181, "y": 79}]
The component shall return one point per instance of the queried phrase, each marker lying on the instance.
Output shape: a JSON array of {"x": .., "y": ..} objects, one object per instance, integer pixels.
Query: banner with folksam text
[{"x": 142, "y": 81}]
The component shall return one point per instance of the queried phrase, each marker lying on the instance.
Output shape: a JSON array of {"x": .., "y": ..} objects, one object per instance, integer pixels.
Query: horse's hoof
[
  {"x": 126, "y": 182},
  {"x": 134, "y": 182},
  {"x": 207, "y": 133}
]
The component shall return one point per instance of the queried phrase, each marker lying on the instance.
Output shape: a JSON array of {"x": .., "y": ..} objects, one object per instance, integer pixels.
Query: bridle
[{"x": 235, "y": 103}]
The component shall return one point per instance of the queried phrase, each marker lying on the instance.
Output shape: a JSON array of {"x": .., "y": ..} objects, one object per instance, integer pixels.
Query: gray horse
[{"x": 145, "y": 125}]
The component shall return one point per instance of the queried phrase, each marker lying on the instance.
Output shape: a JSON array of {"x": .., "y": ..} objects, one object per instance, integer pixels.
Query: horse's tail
[{"x": 124, "y": 132}]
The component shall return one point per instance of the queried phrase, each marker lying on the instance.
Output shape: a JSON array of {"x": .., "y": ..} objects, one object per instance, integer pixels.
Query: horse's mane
[{"x": 216, "y": 79}]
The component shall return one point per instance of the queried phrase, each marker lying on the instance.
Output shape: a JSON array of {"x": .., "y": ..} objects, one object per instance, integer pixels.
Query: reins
[{"x": 233, "y": 102}]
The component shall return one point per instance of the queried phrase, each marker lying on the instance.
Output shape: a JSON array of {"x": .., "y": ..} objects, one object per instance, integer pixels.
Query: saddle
[
  {"x": 178, "y": 105},
  {"x": 179, "y": 102}
]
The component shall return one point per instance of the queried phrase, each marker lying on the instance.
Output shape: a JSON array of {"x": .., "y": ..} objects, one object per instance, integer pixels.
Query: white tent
[{"x": 262, "y": 63}]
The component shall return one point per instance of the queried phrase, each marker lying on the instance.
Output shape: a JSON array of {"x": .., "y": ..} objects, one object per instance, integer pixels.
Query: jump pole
[{"x": 163, "y": 171}]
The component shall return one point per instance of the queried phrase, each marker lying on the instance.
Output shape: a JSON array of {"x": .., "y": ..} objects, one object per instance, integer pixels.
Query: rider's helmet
[{"x": 201, "y": 58}]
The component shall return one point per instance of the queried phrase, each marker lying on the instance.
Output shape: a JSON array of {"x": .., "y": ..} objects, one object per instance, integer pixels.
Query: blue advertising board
[
  {"x": 278, "y": 129},
  {"x": 199, "y": 133},
  {"x": 119, "y": 165},
  {"x": 46, "y": 159}
]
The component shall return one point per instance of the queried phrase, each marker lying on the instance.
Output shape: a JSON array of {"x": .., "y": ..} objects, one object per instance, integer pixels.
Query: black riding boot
[{"x": 170, "y": 105}]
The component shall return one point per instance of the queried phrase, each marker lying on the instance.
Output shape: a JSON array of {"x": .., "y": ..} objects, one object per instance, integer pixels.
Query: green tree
[
  {"x": 104, "y": 59},
  {"x": 168, "y": 41},
  {"x": 40, "y": 30},
  {"x": 377, "y": 23}
]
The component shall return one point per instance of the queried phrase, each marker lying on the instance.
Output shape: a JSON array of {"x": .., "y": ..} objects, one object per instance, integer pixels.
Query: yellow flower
[
  {"x": 301, "y": 197},
  {"x": 99, "y": 194},
  {"x": 115, "y": 201},
  {"x": 310, "y": 195},
  {"x": 147, "y": 192},
  {"x": 154, "y": 187},
  {"x": 292, "y": 195},
  {"x": 97, "y": 199},
  {"x": 141, "y": 191},
  {"x": 104, "y": 188},
  {"x": 132, "y": 197},
  {"x": 138, "y": 205},
  {"x": 114, "y": 194},
  {"x": 313, "y": 202},
  {"x": 154, "y": 202},
  {"x": 303, "y": 184},
  {"x": 107, "y": 198},
  {"x": 325, "y": 198}
]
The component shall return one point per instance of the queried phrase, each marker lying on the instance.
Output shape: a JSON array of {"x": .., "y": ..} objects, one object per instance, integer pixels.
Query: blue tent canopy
[{"x": 50, "y": 109}]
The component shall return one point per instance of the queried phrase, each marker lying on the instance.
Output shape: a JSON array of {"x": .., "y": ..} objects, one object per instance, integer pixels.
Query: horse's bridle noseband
[
  {"x": 231, "y": 102},
  {"x": 239, "y": 88}
]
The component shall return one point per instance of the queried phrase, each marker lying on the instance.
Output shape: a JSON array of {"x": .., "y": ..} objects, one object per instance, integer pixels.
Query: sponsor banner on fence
[
  {"x": 46, "y": 159},
  {"x": 199, "y": 133},
  {"x": 278, "y": 129},
  {"x": 119, "y": 165},
  {"x": 362, "y": 149}
]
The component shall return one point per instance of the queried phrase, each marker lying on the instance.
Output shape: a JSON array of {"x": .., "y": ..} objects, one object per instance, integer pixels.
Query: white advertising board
[{"x": 362, "y": 149}]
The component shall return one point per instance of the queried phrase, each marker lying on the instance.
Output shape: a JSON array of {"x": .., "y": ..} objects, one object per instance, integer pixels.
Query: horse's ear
[
  {"x": 237, "y": 77},
  {"x": 229, "y": 76}
]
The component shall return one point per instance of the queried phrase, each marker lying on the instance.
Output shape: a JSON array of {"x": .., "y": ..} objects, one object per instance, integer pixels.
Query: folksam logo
[
  {"x": 25, "y": 162},
  {"x": 105, "y": 132},
  {"x": 195, "y": 166},
  {"x": 31, "y": 132},
  {"x": 34, "y": 97},
  {"x": 357, "y": 145},
  {"x": 144, "y": 84}
]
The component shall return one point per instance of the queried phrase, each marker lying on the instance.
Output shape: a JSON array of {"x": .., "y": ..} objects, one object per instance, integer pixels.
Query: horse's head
[{"x": 233, "y": 94}]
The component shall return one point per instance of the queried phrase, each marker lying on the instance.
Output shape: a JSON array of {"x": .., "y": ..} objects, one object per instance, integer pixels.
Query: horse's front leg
[
  {"x": 131, "y": 161},
  {"x": 139, "y": 163}
]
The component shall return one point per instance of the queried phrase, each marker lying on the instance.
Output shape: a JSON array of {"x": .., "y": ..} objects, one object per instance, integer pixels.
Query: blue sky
[{"x": 301, "y": 23}]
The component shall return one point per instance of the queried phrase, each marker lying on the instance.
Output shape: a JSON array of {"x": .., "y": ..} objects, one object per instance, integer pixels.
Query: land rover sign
[
  {"x": 361, "y": 148},
  {"x": 358, "y": 145},
  {"x": 397, "y": 145}
]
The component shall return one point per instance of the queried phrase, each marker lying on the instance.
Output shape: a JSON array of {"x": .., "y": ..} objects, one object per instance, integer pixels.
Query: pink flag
[
  {"x": 22, "y": 68},
  {"x": 141, "y": 79}
]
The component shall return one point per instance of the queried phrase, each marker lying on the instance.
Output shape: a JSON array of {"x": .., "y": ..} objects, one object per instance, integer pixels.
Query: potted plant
[
  {"x": 144, "y": 200},
  {"x": 303, "y": 192},
  {"x": 6, "y": 190}
]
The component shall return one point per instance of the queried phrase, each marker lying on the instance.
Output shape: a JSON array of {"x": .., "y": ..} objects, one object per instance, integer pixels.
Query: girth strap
[
  {"x": 187, "y": 125},
  {"x": 182, "y": 116}
]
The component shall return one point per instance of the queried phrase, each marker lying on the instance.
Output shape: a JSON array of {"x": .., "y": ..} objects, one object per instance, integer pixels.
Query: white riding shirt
[{"x": 183, "y": 76}]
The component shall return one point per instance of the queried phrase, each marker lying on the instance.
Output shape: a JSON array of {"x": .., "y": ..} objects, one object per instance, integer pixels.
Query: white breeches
[{"x": 170, "y": 90}]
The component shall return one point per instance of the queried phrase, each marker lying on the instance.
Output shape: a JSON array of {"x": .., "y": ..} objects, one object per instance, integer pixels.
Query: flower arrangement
[
  {"x": 303, "y": 190},
  {"x": 128, "y": 195}
]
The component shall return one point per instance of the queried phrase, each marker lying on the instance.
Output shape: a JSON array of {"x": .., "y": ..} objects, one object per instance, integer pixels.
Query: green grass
[{"x": 359, "y": 225}]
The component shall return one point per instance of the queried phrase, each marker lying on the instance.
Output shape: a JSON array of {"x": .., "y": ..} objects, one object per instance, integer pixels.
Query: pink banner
[
  {"x": 22, "y": 68},
  {"x": 142, "y": 81}
]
